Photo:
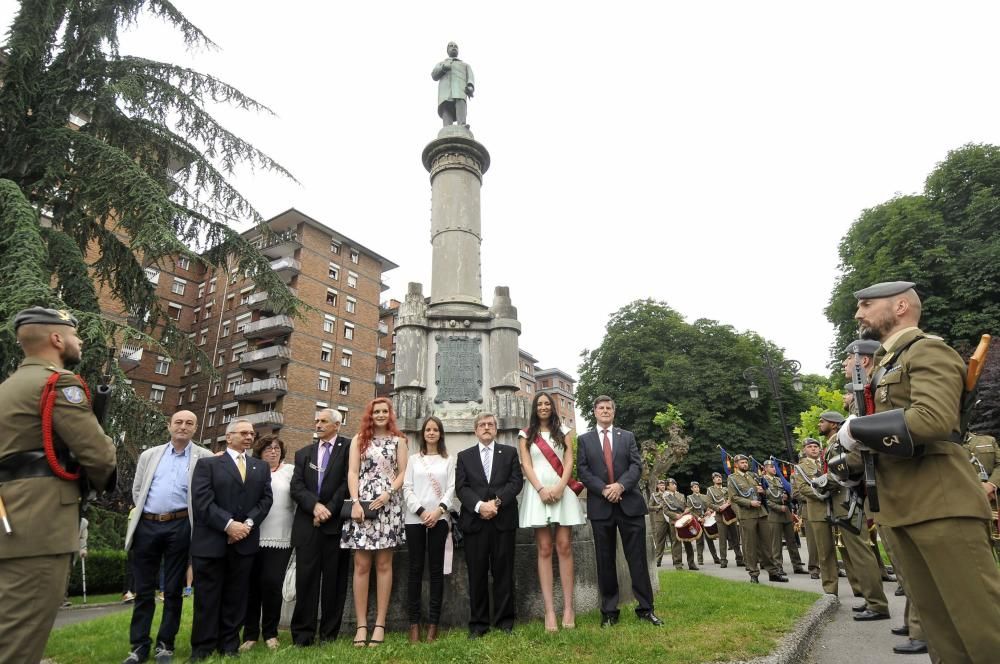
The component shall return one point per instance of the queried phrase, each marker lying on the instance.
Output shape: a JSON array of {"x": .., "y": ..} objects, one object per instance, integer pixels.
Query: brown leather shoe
[
  {"x": 415, "y": 633},
  {"x": 432, "y": 633}
]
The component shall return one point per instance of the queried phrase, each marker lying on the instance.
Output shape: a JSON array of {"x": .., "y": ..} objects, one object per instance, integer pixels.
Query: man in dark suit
[
  {"x": 319, "y": 487},
  {"x": 487, "y": 482},
  {"x": 231, "y": 495},
  {"x": 609, "y": 465}
]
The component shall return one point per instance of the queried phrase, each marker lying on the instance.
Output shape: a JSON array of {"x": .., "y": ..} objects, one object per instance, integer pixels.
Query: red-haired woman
[{"x": 375, "y": 473}]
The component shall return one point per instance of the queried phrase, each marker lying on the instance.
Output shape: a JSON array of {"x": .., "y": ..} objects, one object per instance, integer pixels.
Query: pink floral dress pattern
[{"x": 378, "y": 469}]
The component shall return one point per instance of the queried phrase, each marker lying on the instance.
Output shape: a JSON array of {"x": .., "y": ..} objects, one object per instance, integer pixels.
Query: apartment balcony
[
  {"x": 263, "y": 301},
  {"x": 383, "y": 328},
  {"x": 269, "y": 328},
  {"x": 286, "y": 268},
  {"x": 269, "y": 358},
  {"x": 381, "y": 353},
  {"x": 282, "y": 246},
  {"x": 268, "y": 389},
  {"x": 267, "y": 419}
]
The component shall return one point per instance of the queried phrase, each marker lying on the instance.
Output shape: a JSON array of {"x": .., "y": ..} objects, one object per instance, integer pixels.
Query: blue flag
[{"x": 727, "y": 465}]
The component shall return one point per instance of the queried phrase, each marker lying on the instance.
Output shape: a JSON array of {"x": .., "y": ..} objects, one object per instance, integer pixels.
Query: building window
[
  {"x": 242, "y": 322},
  {"x": 233, "y": 382},
  {"x": 201, "y": 290},
  {"x": 228, "y": 414},
  {"x": 380, "y": 379},
  {"x": 348, "y": 331},
  {"x": 238, "y": 349},
  {"x": 208, "y": 310},
  {"x": 162, "y": 365},
  {"x": 333, "y": 271},
  {"x": 187, "y": 367},
  {"x": 343, "y": 415},
  {"x": 393, "y": 356},
  {"x": 329, "y": 323},
  {"x": 184, "y": 263},
  {"x": 345, "y": 358},
  {"x": 153, "y": 275},
  {"x": 352, "y": 305},
  {"x": 334, "y": 247},
  {"x": 225, "y": 329},
  {"x": 355, "y": 256},
  {"x": 352, "y": 279},
  {"x": 324, "y": 381},
  {"x": 194, "y": 394},
  {"x": 210, "y": 422},
  {"x": 392, "y": 378},
  {"x": 220, "y": 358},
  {"x": 331, "y": 297},
  {"x": 326, "y": 353},
  {"x": 204, "y": 337},
  {"x": 229, "y": 301},
  {"x": 245, "y": 297},
  {"x": 156, "y": 393},
  {"x": 178, "y": 286},
  {"x": 211, "y": 285},
  {"x": 345, "y": 386},
  {"x": 216, "y": 388},
  {"x": 180, "y": 395},
  {"x": 174, "y": 311},
  {"x": 197, "y": 315}
]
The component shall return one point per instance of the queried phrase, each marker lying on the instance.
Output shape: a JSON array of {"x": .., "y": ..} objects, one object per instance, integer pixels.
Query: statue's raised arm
[{"x": 456, "y": 85}]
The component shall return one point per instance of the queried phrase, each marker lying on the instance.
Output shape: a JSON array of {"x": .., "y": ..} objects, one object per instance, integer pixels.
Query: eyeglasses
[
  {"x": 272, "y": 448},
  {"x": 486, "y": 425}
]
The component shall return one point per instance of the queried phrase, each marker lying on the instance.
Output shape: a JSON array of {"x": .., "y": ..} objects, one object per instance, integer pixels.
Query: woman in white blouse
[
  {"x": 429, "y": 491},
  {"x": 271, "y": 560}
]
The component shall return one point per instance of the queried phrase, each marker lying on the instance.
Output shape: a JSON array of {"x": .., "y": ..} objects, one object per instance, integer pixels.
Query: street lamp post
[{"x": 772, "y": 373}]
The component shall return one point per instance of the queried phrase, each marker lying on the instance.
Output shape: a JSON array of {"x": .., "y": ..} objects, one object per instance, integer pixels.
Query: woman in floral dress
[{"x": 375, "y": 473}]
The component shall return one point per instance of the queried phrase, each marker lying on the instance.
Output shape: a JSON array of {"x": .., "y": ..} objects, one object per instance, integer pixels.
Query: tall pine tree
[{"x": 116, "y": 155}]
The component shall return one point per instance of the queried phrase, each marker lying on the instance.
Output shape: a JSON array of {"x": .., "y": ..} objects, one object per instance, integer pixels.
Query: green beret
[
  {"x": 862, "y": 347},
  {"x": 661, "y": 482},
  {"x": 741, "y": 457},
  {"x": 769, "y": 462},
  {"x": 832, "y": 416},
  {"x": 810, "y": 441},
  {"x": 671, "y": 480},
  {"x": 43, "y": 316},
  {"x": 884, "y": 289},
  {"x": 695, "y": 484}
]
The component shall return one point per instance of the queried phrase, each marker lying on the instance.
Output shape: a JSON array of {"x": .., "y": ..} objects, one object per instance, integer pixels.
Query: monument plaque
[{"x": 459, "y": 369}]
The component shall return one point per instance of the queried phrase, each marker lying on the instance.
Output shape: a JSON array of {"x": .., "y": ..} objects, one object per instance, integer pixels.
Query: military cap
[
  {"x": 716, "y": 474},
  {"x": 862, "y": 347},
  {"x": 671, "y": 480},
  {"x": 810, "y": 441},
  {"x": 695, "y": 484},
  {"x": 769, "y": 462},
  {"x": 832, "y": 416},
  {"x": 884, "y": 289},
  {"x": 43, "y": 316},
  {"x": 741, "y": 457},
  {"x": 661, "y": 482}
]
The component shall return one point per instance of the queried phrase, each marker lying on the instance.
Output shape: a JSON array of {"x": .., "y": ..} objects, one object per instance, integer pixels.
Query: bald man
[
  {"x": 933, "y": 508},
  {"x": 43, "y": 506},
  {"x": 159, "y": 531}
]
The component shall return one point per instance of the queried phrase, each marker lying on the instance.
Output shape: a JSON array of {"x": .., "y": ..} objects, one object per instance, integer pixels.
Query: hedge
[{"x": 105, "y": 572}]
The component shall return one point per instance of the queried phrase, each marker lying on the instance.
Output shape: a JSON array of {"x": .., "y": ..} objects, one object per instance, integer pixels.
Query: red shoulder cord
[{"x": 47, "y": 405}]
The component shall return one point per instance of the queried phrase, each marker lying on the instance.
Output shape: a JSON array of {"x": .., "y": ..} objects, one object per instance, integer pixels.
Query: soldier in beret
[
  {"x": 729, "y": 534},
  {"x": 43, "y": 508},
  {"x": 661, "y": 527},
  {"x": 818, "y": 536},
  {"x": 933, "y": 507},
  {"x": 779, "y": 517},
  {"x": 748, "y": 496},
  {"x": 674, "y": 507},
  {"x": 985, "y": 454},
  {"x": 701, "y": 508}
]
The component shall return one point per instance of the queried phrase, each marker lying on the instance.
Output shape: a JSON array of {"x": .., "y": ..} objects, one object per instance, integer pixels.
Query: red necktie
[{"x": 606, "y": 444}]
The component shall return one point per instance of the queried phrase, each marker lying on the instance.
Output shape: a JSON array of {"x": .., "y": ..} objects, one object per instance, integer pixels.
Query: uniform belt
[
  {"x": 169, "y": 516},
  {"x": 24, "y": 465}
]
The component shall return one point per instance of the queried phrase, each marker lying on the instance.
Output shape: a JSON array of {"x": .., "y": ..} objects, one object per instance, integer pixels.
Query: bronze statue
[{"x": 455, "y": 85}]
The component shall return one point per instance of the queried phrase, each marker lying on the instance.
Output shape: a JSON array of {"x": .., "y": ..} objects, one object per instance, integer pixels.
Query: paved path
[
  {"x": 843, "y": 640},
  {"x": 75, "y": 615}
]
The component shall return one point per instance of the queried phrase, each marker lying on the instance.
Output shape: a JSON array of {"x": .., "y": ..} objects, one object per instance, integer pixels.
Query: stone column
[{"x": 456, "y": 163}]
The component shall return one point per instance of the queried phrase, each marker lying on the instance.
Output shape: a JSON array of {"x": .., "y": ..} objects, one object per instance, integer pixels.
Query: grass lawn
[{"x": 707, "y": 620}]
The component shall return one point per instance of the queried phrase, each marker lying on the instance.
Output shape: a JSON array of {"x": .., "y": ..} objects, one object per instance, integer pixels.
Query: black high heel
[
  {"x": 360, "y": 643},
  {"x": 372, "y": 643}
]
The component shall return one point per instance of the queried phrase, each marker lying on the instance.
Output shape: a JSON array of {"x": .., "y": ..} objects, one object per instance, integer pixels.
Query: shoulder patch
[{"x": 73, "y": 394}]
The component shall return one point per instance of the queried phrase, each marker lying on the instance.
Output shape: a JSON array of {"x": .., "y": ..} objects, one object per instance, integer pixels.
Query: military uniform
[
  {"x": 729, "y": 535},
  {"x": 753, "y": 525},
  {"x": 818, "y": 527},
  {"x": 661, "y": 529},
  {"x": 699, "y": 506},
  {"x": 812, "y": 564},
  {"x": 987, "y": 454},
  {"x": 779, "y": 516},
  {"x": 44, "y": 511},
  {"x": 674, "y": 505}
]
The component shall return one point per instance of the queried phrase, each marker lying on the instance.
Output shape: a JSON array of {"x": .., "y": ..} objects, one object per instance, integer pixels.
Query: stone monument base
[{"x": 455, "y": 605}]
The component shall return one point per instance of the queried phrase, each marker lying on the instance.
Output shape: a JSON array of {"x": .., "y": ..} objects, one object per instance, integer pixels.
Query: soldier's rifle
[{"x": 860, "y": 400}]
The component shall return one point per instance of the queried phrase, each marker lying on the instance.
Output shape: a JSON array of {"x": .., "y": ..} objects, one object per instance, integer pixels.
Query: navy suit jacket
[
  {"x": 218, "y": 495},
  {"x": 593, "y": 472},
  {"x": 471, "y": 486},
  {"x": 332, "y": 494}
]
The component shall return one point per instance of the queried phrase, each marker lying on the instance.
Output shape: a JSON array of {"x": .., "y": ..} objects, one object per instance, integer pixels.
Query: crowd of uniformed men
[{"x": 935, "y": 484}]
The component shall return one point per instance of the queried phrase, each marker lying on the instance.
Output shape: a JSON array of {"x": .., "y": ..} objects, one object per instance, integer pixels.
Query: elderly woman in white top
[
  {"x": 271, "y": 560},
  {"x": 429, "y": 491}
]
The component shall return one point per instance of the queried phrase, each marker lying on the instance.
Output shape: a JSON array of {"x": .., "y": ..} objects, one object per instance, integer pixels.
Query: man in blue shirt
[{"x": 159, "y": 530}]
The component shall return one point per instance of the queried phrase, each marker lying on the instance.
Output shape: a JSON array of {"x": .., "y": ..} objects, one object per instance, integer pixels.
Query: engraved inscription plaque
[{"x": 458, "y": 369}]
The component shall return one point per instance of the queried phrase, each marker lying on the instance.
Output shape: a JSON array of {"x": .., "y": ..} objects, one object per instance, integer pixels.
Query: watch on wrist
[
  {"x": 499, "y": 502},
  {"x": 249, "y": 523},
  {"x": 355, "y": 500}
]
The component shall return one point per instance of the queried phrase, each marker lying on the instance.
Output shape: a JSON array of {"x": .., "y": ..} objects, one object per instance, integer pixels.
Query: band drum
[
  {"x": 688, "y": 528},
  {"x": 728, "y": 515},
  {"x": 711, "y": 528}
]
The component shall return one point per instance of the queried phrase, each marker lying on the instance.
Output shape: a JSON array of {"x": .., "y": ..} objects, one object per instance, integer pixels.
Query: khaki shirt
[
  {"x": 44, "y": 511},
  {"x": 674, "y": 505},
  {"x": 926, "y": 382},
  {"x": 699, "y": 504},
  {"x": 815, "y": 507},
  {"x": 743, "y": 489},
  {"x": 717, "y": 496},
  {"x": 777, "y": 499},
  {"x": 986, "y": 450}
]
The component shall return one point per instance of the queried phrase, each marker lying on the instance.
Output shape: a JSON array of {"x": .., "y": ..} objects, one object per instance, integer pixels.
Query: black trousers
[
  {"x": 152, "y": 543},
  {"x": 220, "y": 603},
  {"x": 421, "y": 540},
  {"x": 267, "y": 574},
  {"x": 490, "y": 551},
  {"x": 321, "y": 569},
  {"x": 633, "y": 533}
]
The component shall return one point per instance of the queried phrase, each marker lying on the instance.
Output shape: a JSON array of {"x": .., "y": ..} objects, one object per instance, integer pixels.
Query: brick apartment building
[
  {"x": 385, "y": 376},
  {"x": 272, "y": 369}
]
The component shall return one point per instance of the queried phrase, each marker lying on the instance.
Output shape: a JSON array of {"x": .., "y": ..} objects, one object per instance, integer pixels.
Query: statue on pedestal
[{"x": 456, "y": 85}]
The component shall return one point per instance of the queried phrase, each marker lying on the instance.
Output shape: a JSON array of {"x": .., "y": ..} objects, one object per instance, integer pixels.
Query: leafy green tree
[
  {"x": 659, "y": 456},
  {"x": 651, "y": 357},
  {"x": 115, "y": 157}
]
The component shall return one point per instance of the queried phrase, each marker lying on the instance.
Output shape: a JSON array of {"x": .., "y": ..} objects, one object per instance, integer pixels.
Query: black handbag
[
  {"x": 366, "y": 505},
  {"x": 456, "y": 531}
]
